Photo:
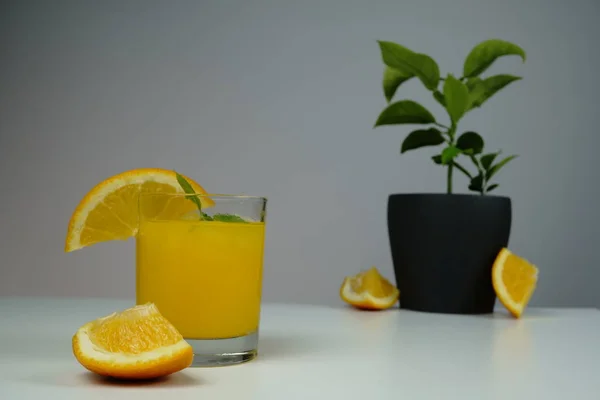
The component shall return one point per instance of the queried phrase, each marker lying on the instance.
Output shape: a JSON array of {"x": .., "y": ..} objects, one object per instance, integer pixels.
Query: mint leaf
[
  {"x": 228, "y": 218},
  {"x": 205, "y": 217},
  {"x": 187, "y": 188}
]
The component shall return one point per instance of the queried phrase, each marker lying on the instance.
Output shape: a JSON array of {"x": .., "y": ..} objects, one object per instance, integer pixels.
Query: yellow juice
[{"x": 204, "y": 276}]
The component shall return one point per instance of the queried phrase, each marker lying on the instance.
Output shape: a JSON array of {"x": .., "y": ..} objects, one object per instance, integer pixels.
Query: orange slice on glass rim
[{"x": 110, "y": 210}]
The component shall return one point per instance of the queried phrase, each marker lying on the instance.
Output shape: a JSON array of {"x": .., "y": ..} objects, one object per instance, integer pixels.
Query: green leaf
[
  {"x": 462, "y": 169},
  {"x": 440, "y": 98},
  {"x": 228, "y": 218},
  {"x": 476, "y": 184},
  {"x": 405, "y": 112},
  {"x": 205, "y": 217},
  {"x": 403, "y": 59},
  {"x": 485, "y": 53},
  {"x": 476, "y": 91},
  {"x": 449, "y": 154},
  {"x": 422, "y": 138},
  {"x": 492, "y": 187},
  {"x": 457, "y": 97},
  {"x": 489, "y": 87},
  {"x": 472, "y": 83},
  {"x": 488, "y": 159},
  {"x": 470, "y": 143},
  {"x": 392, "y": 79},
  {"x": 187, "y": 188},
  {"x": 438, "y": 160},
  {"x": 492, "y": 170}
]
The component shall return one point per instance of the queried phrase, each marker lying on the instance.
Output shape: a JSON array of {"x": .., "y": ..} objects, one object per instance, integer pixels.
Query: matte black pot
[{"x": 443, "y": 247}]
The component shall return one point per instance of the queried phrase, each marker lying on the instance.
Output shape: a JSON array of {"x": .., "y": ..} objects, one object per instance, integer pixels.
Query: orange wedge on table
[
  {"x": 137, "y": 343},
  {"x": 369, "y": 290},
  {"x": 110, "y": 210},
  {"x": 514, "y": 280}
]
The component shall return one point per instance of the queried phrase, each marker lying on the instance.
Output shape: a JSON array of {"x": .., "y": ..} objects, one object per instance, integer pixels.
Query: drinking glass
[{"x": 203, "y": 270}]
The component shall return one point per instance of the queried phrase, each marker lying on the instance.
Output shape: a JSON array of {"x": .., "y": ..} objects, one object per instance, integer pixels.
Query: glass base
[{"x": 223, "y": 352}]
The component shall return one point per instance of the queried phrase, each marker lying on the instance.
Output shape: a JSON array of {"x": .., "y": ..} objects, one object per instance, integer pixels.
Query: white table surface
[{"x": 309, "y": 352}]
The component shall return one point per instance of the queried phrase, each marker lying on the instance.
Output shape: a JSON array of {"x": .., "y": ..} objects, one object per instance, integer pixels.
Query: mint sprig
[
  {"x": 187, "y": 188},
  {"x": 228, "y": 218}
]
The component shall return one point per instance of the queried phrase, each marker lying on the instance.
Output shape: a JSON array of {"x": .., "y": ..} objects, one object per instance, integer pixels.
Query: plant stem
[
  {"x": 449, "y": 183},
  {"x": 481, "y": 172},
  {"x": 451, "y": 132}
]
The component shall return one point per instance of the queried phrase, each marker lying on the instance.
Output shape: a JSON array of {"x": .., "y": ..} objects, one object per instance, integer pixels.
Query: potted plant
[{"x": 443, "y": 245}]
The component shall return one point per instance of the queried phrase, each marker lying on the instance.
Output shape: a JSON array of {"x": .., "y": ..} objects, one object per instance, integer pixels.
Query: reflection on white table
[{"x": 310, "y": 352}]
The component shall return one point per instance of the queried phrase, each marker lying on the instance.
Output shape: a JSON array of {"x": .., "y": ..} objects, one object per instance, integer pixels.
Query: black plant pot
[{"x": 443, "y": 247}]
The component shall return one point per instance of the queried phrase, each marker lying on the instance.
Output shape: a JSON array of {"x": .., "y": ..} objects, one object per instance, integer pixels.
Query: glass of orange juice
[{"x": 203, "y": 270}]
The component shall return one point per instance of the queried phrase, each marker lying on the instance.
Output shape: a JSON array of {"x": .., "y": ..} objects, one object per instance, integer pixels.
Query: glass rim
[{"x": 215, "y": 195}]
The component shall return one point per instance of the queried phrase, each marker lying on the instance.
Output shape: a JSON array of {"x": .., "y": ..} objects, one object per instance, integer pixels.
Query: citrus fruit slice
[
  {"x": 136, "y": 343},
  {"x": 514, "y": 280},
  {"x": 110, "y": 210},
  {"x": 369, "y": 290}
]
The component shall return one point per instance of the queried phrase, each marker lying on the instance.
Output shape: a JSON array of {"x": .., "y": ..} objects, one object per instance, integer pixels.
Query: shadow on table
[
  {"x": 89, "y": 379},
  {"x": 179, "y": 379},
  {"x": 529, "y": 314},
  {"x": 500, "y": 313}
]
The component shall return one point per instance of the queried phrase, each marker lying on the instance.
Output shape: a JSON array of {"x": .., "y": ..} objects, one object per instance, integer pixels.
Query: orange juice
[{"x": 204, "y": 276}]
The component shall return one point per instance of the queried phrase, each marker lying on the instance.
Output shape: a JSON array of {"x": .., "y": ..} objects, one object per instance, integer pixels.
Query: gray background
[{"x": 278, "y": 98}]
